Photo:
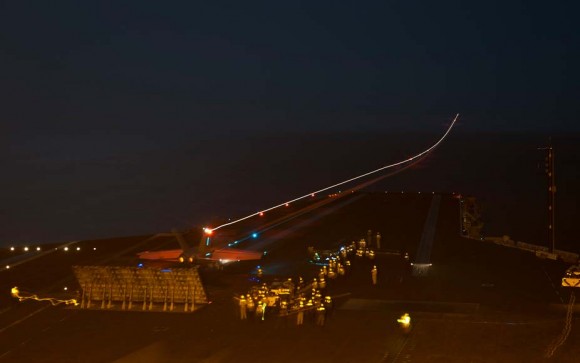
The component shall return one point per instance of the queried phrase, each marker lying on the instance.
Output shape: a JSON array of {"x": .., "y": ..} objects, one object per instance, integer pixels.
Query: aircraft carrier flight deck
[{"x": 467, "y": 298}]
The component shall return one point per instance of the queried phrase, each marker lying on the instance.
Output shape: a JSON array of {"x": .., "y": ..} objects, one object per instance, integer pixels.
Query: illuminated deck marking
[{"x": 423, "y": 259}]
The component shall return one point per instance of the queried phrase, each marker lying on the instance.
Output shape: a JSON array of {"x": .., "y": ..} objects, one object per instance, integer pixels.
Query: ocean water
[{"x": 70, "y": 187}]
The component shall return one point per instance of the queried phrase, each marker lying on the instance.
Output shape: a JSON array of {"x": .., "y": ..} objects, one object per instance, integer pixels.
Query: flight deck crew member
[
  {"x": 374, "y": 275},
  {"x": 243, "y": 304},
  {"x": 340, "y": 270},
  {"x": 300, "y": 315},
  {"x": 320, "y": 315},
  {"x": 259, "y": 310},
  {"x": 331, "y": 264},
  {"x": 347, "y": 266},
  {"x": 264, "y": 306},
  {"x": 283, "y": 308},
  {"x": 251, "y": 304},
  {"x": 328, "y": 305},
  {"x": 308, "y": 308},
  {"x": 331, "y": 274},
  {"x": 317, "y": 299},
  {"x": 284, "y": 312}
]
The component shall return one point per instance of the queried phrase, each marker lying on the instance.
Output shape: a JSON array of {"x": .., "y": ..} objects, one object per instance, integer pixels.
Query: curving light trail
[
  {"x": 16, "y": 294},
  {"x": 308, "y": 209},
  {"x": 311, "y": 194}
]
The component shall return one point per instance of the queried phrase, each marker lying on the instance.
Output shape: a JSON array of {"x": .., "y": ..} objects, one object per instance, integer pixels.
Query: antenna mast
[{"x": 549, "y": 164}]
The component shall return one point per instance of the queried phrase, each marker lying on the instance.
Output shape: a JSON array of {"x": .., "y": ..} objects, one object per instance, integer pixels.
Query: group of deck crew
[{"x": 297, "y": 298}]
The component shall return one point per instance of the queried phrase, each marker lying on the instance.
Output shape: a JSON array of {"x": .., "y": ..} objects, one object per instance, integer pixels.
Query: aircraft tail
[{"x": 179, "y": 237}]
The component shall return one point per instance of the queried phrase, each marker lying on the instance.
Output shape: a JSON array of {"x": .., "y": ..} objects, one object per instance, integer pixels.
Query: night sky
[
  {"x": 146, "y": 67},
  {"x": 128, "y": 117}
]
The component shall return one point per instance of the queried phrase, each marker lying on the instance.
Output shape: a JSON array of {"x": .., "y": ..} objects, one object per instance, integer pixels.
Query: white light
[
  {"x": 404, "y": 320},
  {"x": 11, "y": 248},
  {"x": 65, "y": 288},
  {"x": 66, "y": 248},
  {"x": 352, "y": 179},
  {"x": 7, "y": 267},
  {"x": 94, "y": 248},
  {"x": 25, "y": 248},
  {"x": 38, "y": 248},
  {"x": 78, "y": 248}
]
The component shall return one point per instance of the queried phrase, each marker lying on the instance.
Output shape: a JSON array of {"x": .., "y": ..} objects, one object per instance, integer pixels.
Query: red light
[
  {"x": 312, "y": 195},
  {"x": 261, "y": 214},
  {"x": 287, "y": 204},
  {"x": 208, "y": 231}
]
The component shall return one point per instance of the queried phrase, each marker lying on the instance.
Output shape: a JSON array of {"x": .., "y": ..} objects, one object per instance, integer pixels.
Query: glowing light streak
[
  {"x": 372, "y": 181},
  {"x": 404, "y": 320},
  {"x": 561, "y": 339},
  {"x": 54, "y": 301},
  {"x": 312, "y": 194}
]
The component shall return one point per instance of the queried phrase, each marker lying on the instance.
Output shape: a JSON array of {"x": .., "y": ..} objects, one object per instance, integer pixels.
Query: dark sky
[
  {"x": 151, "y": 67},
  {"x": 97, "y": 97}
]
